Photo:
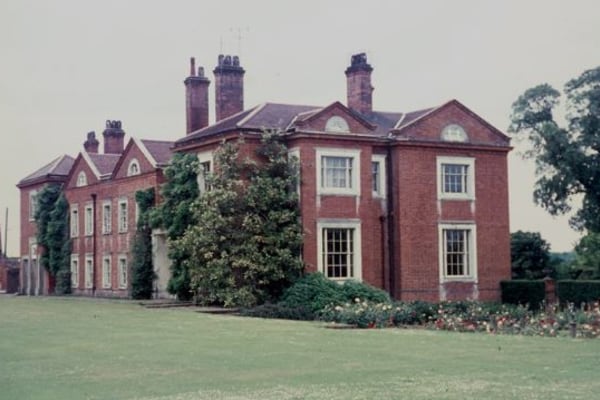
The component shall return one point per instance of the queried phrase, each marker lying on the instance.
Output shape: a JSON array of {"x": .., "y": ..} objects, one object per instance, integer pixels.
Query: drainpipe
[
  {"x": 391, "y": 221},
  {"x": 94, "y": 244}
]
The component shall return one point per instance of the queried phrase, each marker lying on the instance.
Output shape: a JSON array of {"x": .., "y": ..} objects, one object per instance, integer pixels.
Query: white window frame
[
  {"x": 381, "y": 160},
  {"x": 133, "y": 168},
  {"x": 106, "y": 272},
  {"x": 354, "y": 180},
  {"x": 123, "y": 215},
  {"x": 89, "y": 272},
  {"x": 203, "y": 158},
  {"x": 122, "y": 271},
  {"x": 81, "y": 179},
  {"x": 469, "y": 193},
  {"x": 32, "y": 204},
  {"x": 74, "y": 220},
  {"x": 471, "y": 275},
  {"x": 356, "y": 251},
  {"x": 74, "y": 270},
  {"x": 88, "y": 219},
  {"x": 295, "y": 152},
  {"x": 106, "y": 217}
]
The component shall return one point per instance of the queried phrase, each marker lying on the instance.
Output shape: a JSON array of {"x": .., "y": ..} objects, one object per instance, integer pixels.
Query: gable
[
  {"x": 445, "y": 123},
  {"x": 132, "y": 154},
  {"x": 81, "y": 166},
  {"x": 335, "y": 119}
]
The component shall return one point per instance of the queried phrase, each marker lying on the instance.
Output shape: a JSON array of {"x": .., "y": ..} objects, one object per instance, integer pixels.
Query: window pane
[
  {"x": 338, "y": 252},
  {"x": 454, "y": 179},
  {"x": 456, "y": 252},
  {"x": 336, "y": 172}
]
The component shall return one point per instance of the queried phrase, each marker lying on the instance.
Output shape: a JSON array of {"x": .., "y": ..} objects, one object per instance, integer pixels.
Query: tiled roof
[
  {"x": 412, "y": 116},
  {"x": 105, "y": 163},
  {"x": 159, "y": 149},
  {"x": 59, "y": 167}
]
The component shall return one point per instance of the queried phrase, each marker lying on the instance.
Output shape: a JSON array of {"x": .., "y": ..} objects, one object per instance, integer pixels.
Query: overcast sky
[{"x": 67, "y": 66}]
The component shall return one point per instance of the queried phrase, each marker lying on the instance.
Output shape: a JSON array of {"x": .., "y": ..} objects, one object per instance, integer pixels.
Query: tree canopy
[
  {"x": 567, "y": 157},
  {"x": 529, "y": 255}
]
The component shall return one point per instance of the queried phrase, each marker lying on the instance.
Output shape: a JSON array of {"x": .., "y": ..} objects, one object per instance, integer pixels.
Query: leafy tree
[
  {"x": 175, "y": 215},
  {"x": 529, "y": 255},
  {"x": 142, "y": 269},
  {"x": 567, "y": 158},
  {"x": 246, "y": 250},
  {"x": 587, "y": 257},
  {"x": 53, "y": 235}
]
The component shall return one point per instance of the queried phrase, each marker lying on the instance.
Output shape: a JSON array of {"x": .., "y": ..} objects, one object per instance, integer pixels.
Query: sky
[{"x": 69, "y": 65}]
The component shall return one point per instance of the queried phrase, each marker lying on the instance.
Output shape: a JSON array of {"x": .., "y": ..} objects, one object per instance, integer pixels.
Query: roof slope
[
  {"x": 159, "y": 149},
  {"x": 59, "y": 167},
  {"x": 105, "y": 163}
]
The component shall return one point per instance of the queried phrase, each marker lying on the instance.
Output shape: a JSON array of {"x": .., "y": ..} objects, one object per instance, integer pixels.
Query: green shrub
[
  {"x": 313, "y": 292},
  {"x": 531, "y": 292},
  {"x": 578, "y": 292},
  {"x": 353, "y": 289},
  {"x": 63, "y": 282},
  {"x": 279, "y": 311}
]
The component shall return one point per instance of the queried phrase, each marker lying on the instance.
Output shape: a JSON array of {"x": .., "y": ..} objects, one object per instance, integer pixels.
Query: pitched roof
[
  {"x": 59, "y": 167},
  {"x": 104, "y": 163},
  {"x": 160, "y": 150}
]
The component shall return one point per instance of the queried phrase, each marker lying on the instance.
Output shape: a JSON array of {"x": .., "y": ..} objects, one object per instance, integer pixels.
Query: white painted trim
[
  {"x": 106, "y": 283},
  {"x": 88, "y": 206},
  {"x": 81, "y": 179},
  {"x": 145, "y": 152},
  {"x": 357, "y": 250},
  {"x": 121, "y": 284},
  {"x": 74, "y": 224},
  {"x": 397, "y": 125},
  {"x": 132, "y": 162},
  {"x": 247, "y": 117},
  {"x": 381, "y": 159},
  {"x": 91, "y": 164},
  {"x": 356, "y": 169},
  {"x": 104, "y": 204},
  {"x": 470, "y": 163},
  {"x": 472, "y": 228},
  {"x": 74, "y": 276},
  {"x": 120, "y": 227},
  {"x": 203, "y": 157},
  {"x": 295, "y": 152},
  {"x": 89, "y": 272},
  {"x": 32, "y": 196}
]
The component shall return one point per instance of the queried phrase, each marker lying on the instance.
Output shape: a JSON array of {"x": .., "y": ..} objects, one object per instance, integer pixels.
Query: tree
[
  {"x": 142, "y": 269},
  {"x": 53, "y": 235},
  {"x": 246, "y": 248},
  {"x": 529, "y": 255},
  {"x": 567, "y": 158},
  {"x": 587, "y": 257},
  {"x": 175, "y": 215}
]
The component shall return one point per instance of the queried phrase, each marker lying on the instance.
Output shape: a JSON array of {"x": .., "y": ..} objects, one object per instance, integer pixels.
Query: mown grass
[{"x": 60, "y": 348}]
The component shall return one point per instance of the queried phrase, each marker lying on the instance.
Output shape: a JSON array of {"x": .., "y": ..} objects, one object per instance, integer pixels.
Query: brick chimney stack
[
  {"x": 229, "y": 86},
  {"x": 358, "y": 84},
  {"x": 91, "y": 143},
  {"x": 113, "y": 138},
  {"x": 196, "y": 98}
]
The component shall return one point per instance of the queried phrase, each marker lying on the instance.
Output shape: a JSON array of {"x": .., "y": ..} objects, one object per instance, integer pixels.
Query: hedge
[
  {"x": 577, "y": 292},
  {"x": 531, "y": 292}
]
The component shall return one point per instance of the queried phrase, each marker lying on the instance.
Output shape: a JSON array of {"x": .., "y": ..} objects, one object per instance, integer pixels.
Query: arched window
[
  {"x": 134, "y": 168},
  {"x": 81, "y": 179}
]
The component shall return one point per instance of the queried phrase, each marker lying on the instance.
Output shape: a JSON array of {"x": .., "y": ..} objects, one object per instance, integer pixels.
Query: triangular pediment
[{"x": 335, "y": 118}]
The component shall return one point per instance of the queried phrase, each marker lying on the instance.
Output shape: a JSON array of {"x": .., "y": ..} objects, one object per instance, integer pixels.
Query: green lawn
[{"x": 57, "y": 348}]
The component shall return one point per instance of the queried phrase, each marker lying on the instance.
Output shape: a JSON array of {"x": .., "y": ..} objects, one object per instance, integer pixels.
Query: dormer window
[
  {"x": 81, "y": 179},
  {"x": 134, "y": 168}
]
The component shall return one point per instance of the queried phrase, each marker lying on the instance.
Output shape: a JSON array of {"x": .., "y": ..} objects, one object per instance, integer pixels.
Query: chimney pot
[
  {"x": 358, "y": 84},
  {"x": 229, "y": 86}
]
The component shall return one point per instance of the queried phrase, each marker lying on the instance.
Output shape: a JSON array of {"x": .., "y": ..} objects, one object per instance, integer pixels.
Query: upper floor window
[
  {"x": 458, "y": 259},
  {"x": 33, "y": 204},
  {"x": 74, "y": 221},
  {"x": 338, "y": 171},
  {"x": 205, "y": 168},
  {"x": 81, "y": 179},
  {"x": 134, "y": 168},
  {"x": 89, "y": 220},
  {"x": 123, "y": 215},
  {"x": 378, "y": 175},
  {"x": 106, "y": 217},
  {"x": 456, "y": 178}
]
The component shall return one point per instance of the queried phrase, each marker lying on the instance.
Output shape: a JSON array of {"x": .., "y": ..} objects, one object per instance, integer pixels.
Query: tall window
[
  {"x": 106, "y": 217},
  {"x": 457, "y": 252},
  {"x": 74, "y": 271},
  {"x": 74, "y": 221},
  {"x": 338, "y": 171},
  {"x": 205, "y": 168},
  {"x": 378, "y": 175},
  {"x": 106, "y": 273},
  {"x": 122, "y": 272},
  {"x": 123, "y": 215},
  {"x": 456, "y": 177},
  {"x": 32, "y": 204},
  {"x": 89, "y": 272},
  {"x": 89, "y": 220},
  {"x": 339, "y": 249}
]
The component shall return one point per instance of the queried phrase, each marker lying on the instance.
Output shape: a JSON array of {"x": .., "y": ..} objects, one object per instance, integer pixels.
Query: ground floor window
[
  {"x": 339, "y": 245},
  {"x": 74, "y": 271},
  {"x": 122, "y": 272},
  {"x": 458, "y": 259},
  {"x": 106, "y": 273},
  {"x": 89, "y": 272}
]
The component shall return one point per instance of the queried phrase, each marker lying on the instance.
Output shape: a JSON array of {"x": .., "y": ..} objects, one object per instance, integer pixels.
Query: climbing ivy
[
  {"x": 51, "y": 218},
  {"x": 142, "y": 270}
]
